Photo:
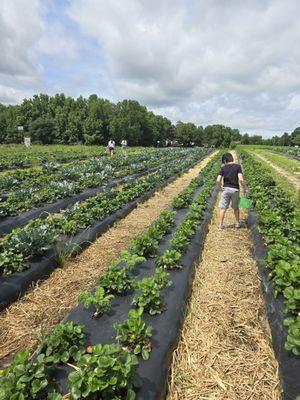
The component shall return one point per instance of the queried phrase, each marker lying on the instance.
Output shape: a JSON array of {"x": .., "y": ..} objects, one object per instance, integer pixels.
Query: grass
[{"x": 288, "y": 164}]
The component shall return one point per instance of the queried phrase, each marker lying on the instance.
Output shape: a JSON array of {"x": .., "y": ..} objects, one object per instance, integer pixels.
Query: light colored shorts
[{"x": 229, "y": 194}]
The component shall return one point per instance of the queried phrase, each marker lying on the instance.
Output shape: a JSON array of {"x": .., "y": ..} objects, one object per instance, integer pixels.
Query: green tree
[
  {"x": 198, "y": 138},
  {"x": 295, "y": 137},
  {"x": 286, "y": 139},
  {"x": 245, "y": 139},
  {"x": 214, "y": 135},
  {"x": 74, "y": 130},
  {"x": 296, "y": 140},
  {"x": 185, "y": 133},
  {"x": 256, "y": 139},
  {"x": 3, "y": 124},
  {"x": 160, "y": 127},
  {"x": 129, "y": 121},
  {"x": 42, "y": 130}
]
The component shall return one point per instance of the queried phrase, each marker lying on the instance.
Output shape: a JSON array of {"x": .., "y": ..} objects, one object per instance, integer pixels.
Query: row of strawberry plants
[
  {"x": 107, "y": 371},
  {"x": 117, "y": 281},
  {"x": 23, "y": 244},
  {"x": 278, "y": 222},
  {"x": 25, "y": 199}
]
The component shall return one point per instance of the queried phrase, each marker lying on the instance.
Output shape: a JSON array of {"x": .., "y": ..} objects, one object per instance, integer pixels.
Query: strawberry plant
[
  {"x": 195, "y": 212},
  {"x": 107, "y": 373},
  {"x": 183, "y": 200},
  {"x": 188, "y": 226},
  {"x": 286, "y": 274},
  {"x": 293, "y": 339},
  {"x": 62, "y": 343},
  {"x": 165, "y": 221},
  {"x": 144, "y": 245},
  {"x": 181, "y": 237},
  {"x": 116, "y": 280},
  {"x": 27, "y": 380},
  {"x": 169, "y": 260},
  {"x": 154, "y": 232},
  {"x": 292, "y": 298},
  {"x": 179, "y": 241},
  {"x": 131, "y": 260},
  {"x": 134, "y": 334},
  {"x": 149, "y": 297},
  {"x": 100, "y": 300},
  {"x": 11, "y": 262},
  {"x": 282, "y": 251},
  {"x": 161, "y": 278}
]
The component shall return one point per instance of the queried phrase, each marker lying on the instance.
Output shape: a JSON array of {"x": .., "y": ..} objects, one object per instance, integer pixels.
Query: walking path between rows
[
  {"x": 33, "y": 316},
  {"x": 225, "y": 350},
  {"x": 294, "y": 180}
]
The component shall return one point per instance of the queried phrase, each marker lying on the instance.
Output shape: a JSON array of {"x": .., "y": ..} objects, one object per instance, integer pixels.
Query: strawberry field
[
  {"x": 117, "y": 339},
  {"x": 17, "y": 156}
]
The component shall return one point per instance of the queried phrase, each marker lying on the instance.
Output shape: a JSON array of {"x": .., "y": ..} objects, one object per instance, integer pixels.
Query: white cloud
[
  {"x": 20, "y": 24},
  {"x": 294, "y": 104},
  {"x": 10, "y": 95},
  {"x": 25, "y": 37},
  {"x": 230, "y": 62},
  {"x": 176, "y": 56},
  {"x": 57, "y": 42}
]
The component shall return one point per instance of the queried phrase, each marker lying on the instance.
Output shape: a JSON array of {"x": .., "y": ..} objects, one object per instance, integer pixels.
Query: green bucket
[{"x": 245, "y": 203}]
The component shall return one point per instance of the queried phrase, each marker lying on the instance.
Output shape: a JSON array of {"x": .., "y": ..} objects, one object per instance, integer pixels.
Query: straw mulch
[
  {"x": 225, "y": 350},
  {"x": 33, "y": 316}
]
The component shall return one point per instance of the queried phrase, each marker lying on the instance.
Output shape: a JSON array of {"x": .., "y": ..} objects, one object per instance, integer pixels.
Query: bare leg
[
  {"x": 237, "y": 215},
  {"x": 222, "y": 215}
]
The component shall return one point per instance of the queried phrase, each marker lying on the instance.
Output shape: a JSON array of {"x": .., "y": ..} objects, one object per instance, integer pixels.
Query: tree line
[
  {"x": 60, "y": 119},
  {"x": 285, "y": 139}
]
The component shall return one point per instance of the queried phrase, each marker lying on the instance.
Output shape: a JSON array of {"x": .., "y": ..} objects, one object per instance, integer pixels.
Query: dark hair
[{"x": 226, "y": 158}]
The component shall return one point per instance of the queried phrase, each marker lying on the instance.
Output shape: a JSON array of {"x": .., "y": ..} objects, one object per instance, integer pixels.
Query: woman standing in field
[
  {"x": 111, "y": 147},
  {"x": 232, "y": 177}
]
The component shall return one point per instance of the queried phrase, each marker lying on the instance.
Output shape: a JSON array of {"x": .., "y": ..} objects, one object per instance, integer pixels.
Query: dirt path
[
  {"x": 225, "y": 350},
  {"x": 36, "y": 313},
  {"x": 295, "y": 181}
]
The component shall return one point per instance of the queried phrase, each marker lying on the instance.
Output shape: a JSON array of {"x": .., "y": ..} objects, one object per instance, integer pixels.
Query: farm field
[
  {"x": 73, "y": 227},
  {"x": 98, "y": 258},
  {"x": 17, "y": 156},
  {"x": 23, "y": 190},
  {"x": 287, "y": 164},
  {"x": 286, "y": 150}
]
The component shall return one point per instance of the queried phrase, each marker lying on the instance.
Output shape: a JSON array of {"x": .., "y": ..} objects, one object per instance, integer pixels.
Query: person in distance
[
  {"x": 111, "y": 147},
  {"x": 232, "y": 176}
]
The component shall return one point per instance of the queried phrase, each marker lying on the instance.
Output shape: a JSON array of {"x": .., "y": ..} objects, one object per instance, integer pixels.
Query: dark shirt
[{"x": 230, "y": 174}]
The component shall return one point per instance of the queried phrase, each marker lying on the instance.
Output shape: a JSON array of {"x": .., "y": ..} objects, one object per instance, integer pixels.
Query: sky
[{"x": 233, "y": 62}]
